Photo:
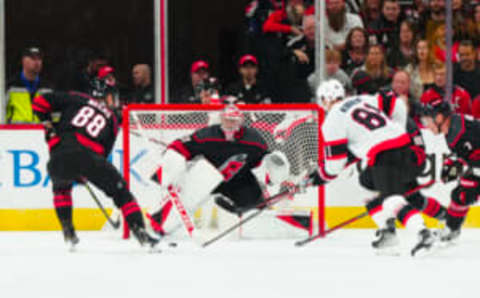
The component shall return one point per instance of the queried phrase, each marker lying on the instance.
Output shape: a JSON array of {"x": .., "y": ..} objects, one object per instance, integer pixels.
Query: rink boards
[{"x": 26, "y": 197}]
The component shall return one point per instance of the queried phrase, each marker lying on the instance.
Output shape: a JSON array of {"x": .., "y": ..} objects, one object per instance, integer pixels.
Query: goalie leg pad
[
  {"x": 278, "y": 166},
  {"x": 173, "y": 166}
]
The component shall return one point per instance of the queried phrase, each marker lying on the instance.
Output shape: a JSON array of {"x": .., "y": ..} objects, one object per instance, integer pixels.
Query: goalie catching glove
[{"x": 277, "y": 166}]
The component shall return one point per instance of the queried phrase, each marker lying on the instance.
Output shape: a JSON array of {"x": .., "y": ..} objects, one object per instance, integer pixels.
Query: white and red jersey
[
  {"x": 388, "y": 103},
  {"x": 356, "y": 125}
]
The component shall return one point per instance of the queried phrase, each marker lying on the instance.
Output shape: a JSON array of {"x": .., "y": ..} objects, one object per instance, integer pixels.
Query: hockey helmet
[
  {"x": 435, "y": 107},
  {"x": 330, "y": 91}
]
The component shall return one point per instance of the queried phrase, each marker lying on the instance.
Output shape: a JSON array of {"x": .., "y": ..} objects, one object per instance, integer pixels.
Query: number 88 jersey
[
  {"x": 356, "y": 125},
  {"x": 84, "y": 120}
]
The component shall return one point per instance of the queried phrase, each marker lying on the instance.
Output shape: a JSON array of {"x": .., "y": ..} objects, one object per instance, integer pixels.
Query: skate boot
[
  {"x": 387, "y": 237},
  {"x": 143, "y": 237},
  {"x": 70, "y": 236},
  {"x": 449, "y": 235},
  {"x": 425, "y": 243}
]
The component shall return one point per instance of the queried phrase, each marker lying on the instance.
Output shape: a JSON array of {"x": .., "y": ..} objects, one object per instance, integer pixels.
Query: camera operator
[{"x": 202, "y": 89}]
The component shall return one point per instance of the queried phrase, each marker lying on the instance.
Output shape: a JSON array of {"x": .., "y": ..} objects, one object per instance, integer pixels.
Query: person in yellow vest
[{"x": 24, "y": 87}]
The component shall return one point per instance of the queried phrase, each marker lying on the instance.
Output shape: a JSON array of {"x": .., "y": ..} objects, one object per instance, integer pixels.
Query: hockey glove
[
  {"x": 50, "y": 132},
  {"x": 451, "y": 170},
  {"x": 311, "y": 179}
]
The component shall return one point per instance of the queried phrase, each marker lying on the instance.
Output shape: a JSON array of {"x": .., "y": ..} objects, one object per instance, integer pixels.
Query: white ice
[{"x": 37, "y": 265}]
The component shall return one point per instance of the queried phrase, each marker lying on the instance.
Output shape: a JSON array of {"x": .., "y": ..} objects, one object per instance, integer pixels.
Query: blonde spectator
[{"x": 421, "y": 69}]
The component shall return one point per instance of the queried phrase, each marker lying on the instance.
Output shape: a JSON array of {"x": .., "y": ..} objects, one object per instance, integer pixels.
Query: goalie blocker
[{"x": 230, "y": 151}]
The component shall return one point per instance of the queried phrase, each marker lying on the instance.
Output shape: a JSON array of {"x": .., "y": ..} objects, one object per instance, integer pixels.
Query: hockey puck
[{"x": 172, "y": 244}]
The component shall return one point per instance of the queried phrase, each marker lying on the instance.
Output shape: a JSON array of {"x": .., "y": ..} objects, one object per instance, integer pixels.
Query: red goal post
[{"x": 291, "y": 128}]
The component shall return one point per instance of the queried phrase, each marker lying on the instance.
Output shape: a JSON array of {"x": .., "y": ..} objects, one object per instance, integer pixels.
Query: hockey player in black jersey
[
  {"x": 233, "y": 150},
  {"x": 462, "y": 134},
  {"x": 79, "y": 144}
]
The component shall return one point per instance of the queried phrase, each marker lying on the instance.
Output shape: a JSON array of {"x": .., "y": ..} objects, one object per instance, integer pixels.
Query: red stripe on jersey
[
  {"x": 53, "y": 142},
  {"x": 337, "y": 157},
  {"x": 261, "y": 146},
  {"x": 380, "y": 102},
  {"x": 397, "y": 142},
  {"x": 38, "y": 108},
  {"x": 41, "y": 102},
  {"x": 323, "y": 174},
  {"x": 392, "y": 106},
  {"x": 408, "y": 216},
  {"x": 468, "y": 183},
  {"x": 92, "y": 145},
  {"x": 180, "y": 148},
  {"x": 336, "y": 142}
]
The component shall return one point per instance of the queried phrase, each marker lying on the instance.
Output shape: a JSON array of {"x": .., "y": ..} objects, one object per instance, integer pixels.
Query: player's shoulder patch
[
  {"x": 253, "y": 136},
  {"x": 209, "y": 132}
]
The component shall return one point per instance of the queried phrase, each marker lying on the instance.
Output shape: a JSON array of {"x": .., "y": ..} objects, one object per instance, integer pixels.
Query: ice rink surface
[{"x": 37, "y": 264}]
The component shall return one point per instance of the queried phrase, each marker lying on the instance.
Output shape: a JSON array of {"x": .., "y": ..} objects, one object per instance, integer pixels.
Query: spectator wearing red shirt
[{"x": 460, "y": 100}]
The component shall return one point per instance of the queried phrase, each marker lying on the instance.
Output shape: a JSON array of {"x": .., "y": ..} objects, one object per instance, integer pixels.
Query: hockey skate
[
  {"x": 386, "y": 238},
  {"x": 70, "y": 236},
  {"x": 143, "y": 237},
  {"x": 425, "y": 243},
  {"x": 448, "y": 236}
]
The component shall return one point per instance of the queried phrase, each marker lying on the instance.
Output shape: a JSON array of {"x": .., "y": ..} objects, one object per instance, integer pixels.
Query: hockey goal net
[{"x": 292, "y": 129}]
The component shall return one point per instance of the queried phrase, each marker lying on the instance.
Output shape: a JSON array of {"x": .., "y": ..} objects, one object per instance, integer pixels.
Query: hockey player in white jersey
[{"x": 357, "y": 126}]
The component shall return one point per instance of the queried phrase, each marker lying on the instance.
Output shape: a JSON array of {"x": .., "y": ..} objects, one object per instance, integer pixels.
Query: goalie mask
[
  {"x": 330, "y": 92},
  {"x": 231, "y": 121}
]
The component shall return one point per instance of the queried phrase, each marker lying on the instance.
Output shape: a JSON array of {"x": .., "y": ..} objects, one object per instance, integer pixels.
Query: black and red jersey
[
  {"x": 463, "y": 139},
  {"x": 84, "y": 121},
  {"x": 232, "y": 158}
]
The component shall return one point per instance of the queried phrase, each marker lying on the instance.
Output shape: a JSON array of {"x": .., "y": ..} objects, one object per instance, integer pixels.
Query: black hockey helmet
[{"x": 435, "y": 107}]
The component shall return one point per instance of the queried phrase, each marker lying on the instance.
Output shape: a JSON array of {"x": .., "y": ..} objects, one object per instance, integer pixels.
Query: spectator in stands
[
  {"x": 142, "y": 83},
  {"x": 333, "y": 60},
  {"x": 339, "y": 24},
  {"x": 476, "y": 21},
  {"x": 202, "y": 86},
  {"x": 460, "y": 98},
  {"x": 432, "y": 18},
  {"x": 403, "y": 54},
  {"x": 94, "y": 62},
  {"x": 356, "y": 50},
  {"x": 25, "y": 86},
  {"x": 374, "y": 74},
  {"x": 466, "y": 73},
  {"x": 256, "y": 13},
  {"x": 299, "y": 64},
  {"x": 385, "y": 30},
  {"x": 421, "y": 69},
  {"x": 248, "y": 89},
  {"x": 462, "y": 23},
  {"x": 439, "y": 46},
  {"x": 401, "y": 85},
  {"x": 415, "y": 12},
  {"x": 371, "y": 11},
  {"x": 280, "y": 27}
]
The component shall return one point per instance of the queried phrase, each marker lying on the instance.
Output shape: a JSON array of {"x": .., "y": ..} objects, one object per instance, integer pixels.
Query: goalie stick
[
  {"x": 114, "y": 224},
  {"x": 355, "y": 218},
  {"x": 261, "y": 207}
]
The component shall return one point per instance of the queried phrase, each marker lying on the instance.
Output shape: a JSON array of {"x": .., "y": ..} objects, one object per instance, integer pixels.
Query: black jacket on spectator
[
  {"x": 82, "y": 82},
  {"x": 348, "y": 65},
  {"x": 396, "y": 59},
  {"x": 248, "y": 94},
  {"x": 365, "y": 84},
  {"x": 186, "y": 94},
  {"x": 470, "y": 80},
  {"x": 386, "y": 32},
  {"x": 142, "y": 95}
]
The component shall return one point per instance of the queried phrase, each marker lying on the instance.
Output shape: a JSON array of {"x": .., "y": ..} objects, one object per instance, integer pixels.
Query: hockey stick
[
  {"x": 355, "y": 218},
  {"x": 261, "y": 207},
  {"x": 114, "y": 224}
]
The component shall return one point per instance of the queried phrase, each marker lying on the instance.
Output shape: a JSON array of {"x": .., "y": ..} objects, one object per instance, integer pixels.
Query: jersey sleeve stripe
[
  {"x": 323, "y": 174},
  {"x": 336, "y": 142},
  {"x": 397, "y": 142},
  {"x": 92, "y": 145},
  {"x": 42, "y": 103},
  {"x": 180, "y": 148},
  {"x": 460, "y": 134},
  {"x": 53, "y": 142},
  {"x": 339, "y": 151}
]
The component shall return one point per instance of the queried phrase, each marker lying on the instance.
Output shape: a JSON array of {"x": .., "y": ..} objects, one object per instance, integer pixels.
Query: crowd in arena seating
[{"x": 397, "y": 45}]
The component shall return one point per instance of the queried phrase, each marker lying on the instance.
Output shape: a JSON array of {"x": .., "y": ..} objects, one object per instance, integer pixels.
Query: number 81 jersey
[
  {"x": 84, "y": 120},
  {"x": 355, "y": 125}
]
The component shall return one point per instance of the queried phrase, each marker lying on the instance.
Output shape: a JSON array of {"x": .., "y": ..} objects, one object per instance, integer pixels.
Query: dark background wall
[{"x": 123, "y": 30}]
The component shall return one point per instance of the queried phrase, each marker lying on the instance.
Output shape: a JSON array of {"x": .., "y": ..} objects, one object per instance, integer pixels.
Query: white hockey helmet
[{"x": 330, "y": 91}]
